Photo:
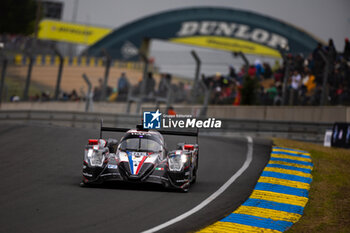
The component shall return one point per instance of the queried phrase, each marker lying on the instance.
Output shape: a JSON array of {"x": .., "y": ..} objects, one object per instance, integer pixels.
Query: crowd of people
[
  {"x": 179, "y": 91},
  {"x": 258, "y": 84},
  {"x": 261, "y": 84}
]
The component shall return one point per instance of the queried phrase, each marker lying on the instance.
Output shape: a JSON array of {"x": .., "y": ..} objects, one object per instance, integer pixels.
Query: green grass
[{"x": 328, "y": 208}]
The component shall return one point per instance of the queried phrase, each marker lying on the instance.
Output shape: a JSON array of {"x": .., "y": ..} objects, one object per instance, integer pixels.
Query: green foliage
[{"x": 17, "y": 16}]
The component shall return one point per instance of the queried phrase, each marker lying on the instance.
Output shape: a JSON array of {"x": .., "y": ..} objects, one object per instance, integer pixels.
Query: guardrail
[
  {"x": 70, "y": 119},
  {"x": 311, "y": 132}
]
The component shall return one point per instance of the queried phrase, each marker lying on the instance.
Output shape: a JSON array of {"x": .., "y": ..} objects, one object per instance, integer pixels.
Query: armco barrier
[
  {"x": 305, "y": 131},
  {"x": 70, "y": 119}
]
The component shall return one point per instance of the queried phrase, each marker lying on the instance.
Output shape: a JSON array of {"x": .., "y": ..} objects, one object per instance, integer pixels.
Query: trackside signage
[
  {"x": 57, "y": 30},
  {"x": 216, "y": 28},
  {"x": 157, "y": 120},
  {"x": 232, "y": 29}
]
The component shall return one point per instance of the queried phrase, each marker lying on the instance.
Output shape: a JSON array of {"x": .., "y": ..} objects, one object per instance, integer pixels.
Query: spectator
[
  {"x": 309, "y": 81},
  {"x": 276, "y": 66},
  {"x": 73, "y": 95},
  {"x": 332, "y": 52},
  {"x": 299, "y": 63},
  {"x": 278, "y": 99},
  {"x": 123, "y": 87},
  {"x": 295, "y": 84},
  {"x": 232, "y": 72},
  {"x": 162, "y": 87},
  {"x": 15, "y": 98},
  {"x": 318, "y": 63},
  {"x": 295, "y": 80},
  {"x": 123, "y": 83},
  {"x": 98, "y": 90},
  {"x": 267, "y": 70},
  {"x": 238, "y": 96},
  {"x": 305, "y": 80},
  {"x": 252, "y": 71},
  {"x": 346, "y": 53},
  {"x": 137, "y": 88},
  {"x": 249, "y": 90},
  {"x": 171, "y": 111},
  {"x": 149, "y": 90},
  {"x": 217, "y": 85},
  {"x": 259, "y": 69},
  {"x": 180, "y": 95},
  {"x": 271, "y": 94},
  {"x": 45, "y": 96}
]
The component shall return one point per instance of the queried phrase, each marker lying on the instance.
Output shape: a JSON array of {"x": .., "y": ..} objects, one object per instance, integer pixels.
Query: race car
[{"x": 141, "y": 156}]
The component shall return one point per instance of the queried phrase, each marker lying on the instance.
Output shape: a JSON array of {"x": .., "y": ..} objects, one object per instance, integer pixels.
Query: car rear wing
[{"x": 139, "y": 127}]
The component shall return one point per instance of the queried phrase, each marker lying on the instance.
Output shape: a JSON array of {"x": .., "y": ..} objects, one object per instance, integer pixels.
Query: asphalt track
[{"x": 40, "y": 171}]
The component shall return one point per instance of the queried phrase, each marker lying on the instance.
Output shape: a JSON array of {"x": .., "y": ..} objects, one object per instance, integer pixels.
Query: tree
[{"x": 17, "y": 16}]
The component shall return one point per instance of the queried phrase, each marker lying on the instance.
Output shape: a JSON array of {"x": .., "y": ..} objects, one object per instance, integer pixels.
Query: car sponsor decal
[
  {"x": 112, "y": 166},
  {"x": 278, "y": 199},
  {"x": 184, "y": 180},
  {"x": 138, "y": 153},
  {"x": 131, "y": 164},
  {"x": 140, "y": 164},
  {"x": 136, "y": 160}
]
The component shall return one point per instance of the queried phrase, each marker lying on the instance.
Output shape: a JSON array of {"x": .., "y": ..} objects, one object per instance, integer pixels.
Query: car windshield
[{"x": 140, "y": 144}]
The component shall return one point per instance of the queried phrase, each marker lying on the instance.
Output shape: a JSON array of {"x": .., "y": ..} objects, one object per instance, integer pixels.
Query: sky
[{"x": 323, "y": 18}]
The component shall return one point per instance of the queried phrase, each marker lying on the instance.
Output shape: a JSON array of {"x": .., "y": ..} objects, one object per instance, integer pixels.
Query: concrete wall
[
  {"x": 292, "y": 114},
  {"x": 289, "y": 113}
]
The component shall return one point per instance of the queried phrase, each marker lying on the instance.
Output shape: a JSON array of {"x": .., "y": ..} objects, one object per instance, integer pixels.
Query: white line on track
[{"x": 246, "y": 164}]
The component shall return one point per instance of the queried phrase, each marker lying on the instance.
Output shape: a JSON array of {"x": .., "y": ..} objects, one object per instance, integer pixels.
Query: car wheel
[
  {"x": 83, "y": 184},
  {"x": 186, "y": 188},
  {"x": 194, "y": 176}
]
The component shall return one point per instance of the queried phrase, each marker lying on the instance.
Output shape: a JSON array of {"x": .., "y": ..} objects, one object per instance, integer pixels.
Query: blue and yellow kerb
[{"x": 278, "y": 199}]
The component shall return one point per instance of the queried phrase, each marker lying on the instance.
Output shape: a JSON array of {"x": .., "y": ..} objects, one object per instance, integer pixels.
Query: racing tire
[
  {"x": 185, "y": 189},
  {"x": 194, "y": 176},
  {"x": 83, "y": 184}
]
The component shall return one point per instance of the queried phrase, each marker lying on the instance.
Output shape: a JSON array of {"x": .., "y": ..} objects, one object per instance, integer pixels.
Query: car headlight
[
  {"x": 175, "y": 163},
  {"x": 177, "y": 160},
  {"x": 94, "y": 157},
  {"x": 90, "y": 153},
  {"x": 184, "y": 158}
]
